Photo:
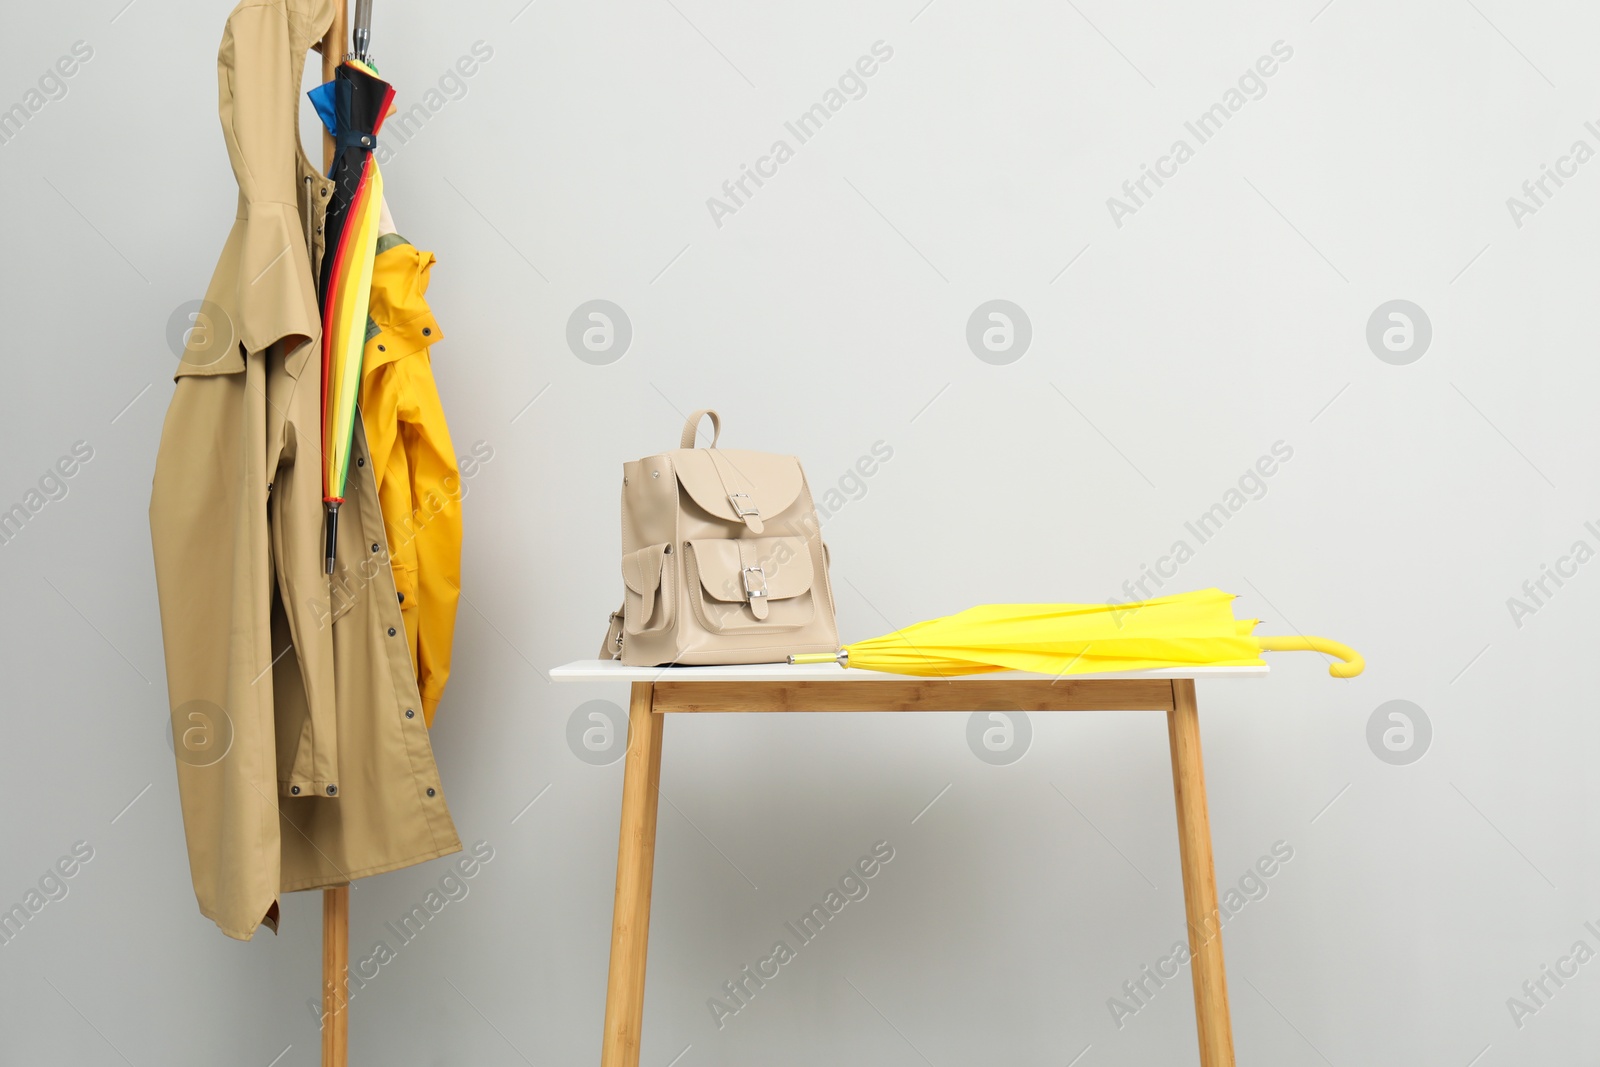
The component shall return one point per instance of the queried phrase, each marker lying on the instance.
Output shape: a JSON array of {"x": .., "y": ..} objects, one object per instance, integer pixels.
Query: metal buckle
[
  {"x": 742, "y": 506},
  {"x": 750, "y": 590}
]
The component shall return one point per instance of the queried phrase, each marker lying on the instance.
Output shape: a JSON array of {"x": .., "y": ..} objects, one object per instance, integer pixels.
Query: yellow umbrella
[{"x": 1187, "y": 630}]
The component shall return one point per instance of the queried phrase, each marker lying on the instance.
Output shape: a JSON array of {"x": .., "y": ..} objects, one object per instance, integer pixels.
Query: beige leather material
[
  {"x": 741, "y": 486},
  {"x": 727, "y": 571},
  {"x": 649, "y": 599},
  {"x": 722, "y": 559},
  {"x": 611, "y": 647},
  {"x": 784, "y": 563},
  {"x": 687, "y": 440}
]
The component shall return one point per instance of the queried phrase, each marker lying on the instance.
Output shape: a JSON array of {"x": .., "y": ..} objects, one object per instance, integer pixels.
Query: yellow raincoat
[{"x": 419, "y": 485}]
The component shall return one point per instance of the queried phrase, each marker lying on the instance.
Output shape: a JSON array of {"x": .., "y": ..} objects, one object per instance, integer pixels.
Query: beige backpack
[{"x": 722, "y": 559}]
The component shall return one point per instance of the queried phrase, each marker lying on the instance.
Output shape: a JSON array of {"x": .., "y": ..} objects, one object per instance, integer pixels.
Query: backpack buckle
[
  {"x": 753, "y": 590},
  {"x": 742, "y": 506}
]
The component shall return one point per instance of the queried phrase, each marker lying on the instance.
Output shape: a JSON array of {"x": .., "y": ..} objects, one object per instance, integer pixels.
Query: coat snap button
[
  {"x": 427, "y": 331},
  {"x": 430, "y": 791},
  {"x": 382, "y": 349},
  {"x": 374, "y": 546},
  {"x": 332, "y": 790},
  {"x": 391, "y": 631},
  {"x": 361, "y": 461},
  {"x": 410, "y": 714},
  {"x": 294, "y": 790},
  {"x": 402, "y": 597}
]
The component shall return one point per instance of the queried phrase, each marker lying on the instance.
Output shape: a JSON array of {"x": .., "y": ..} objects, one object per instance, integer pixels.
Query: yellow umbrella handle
[
  {"x": 840, "y": 657},
  {"x": 1352, "y": 664}
]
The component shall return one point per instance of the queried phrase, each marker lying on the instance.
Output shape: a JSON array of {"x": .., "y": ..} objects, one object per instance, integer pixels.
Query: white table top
[{"x": 609, "y": 670}]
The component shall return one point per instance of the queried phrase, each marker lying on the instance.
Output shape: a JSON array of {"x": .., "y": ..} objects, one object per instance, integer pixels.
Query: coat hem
[
  {"x": 345, "y": 878},
  {"x": 238, "y": 933}
]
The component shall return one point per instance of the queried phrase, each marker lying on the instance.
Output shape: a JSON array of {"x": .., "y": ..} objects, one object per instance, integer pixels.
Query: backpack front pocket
[{"x": 750, "y": 584}]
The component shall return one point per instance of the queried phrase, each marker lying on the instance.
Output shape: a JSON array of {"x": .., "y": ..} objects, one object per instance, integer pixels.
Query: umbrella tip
[{"x": 331, "y": 540}]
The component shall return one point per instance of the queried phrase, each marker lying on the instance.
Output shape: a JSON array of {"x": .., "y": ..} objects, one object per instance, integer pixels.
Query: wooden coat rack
[{"x": 336, "y": 901}]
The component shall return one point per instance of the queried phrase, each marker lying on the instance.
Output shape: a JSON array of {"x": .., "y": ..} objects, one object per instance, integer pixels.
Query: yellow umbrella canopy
[{"x": 1187, "y": 630}]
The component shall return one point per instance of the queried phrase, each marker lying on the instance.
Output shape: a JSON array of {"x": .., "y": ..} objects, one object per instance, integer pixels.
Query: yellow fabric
[
  {"x": 419, "y": 485},
  {"x": 1186, "y": 630}
]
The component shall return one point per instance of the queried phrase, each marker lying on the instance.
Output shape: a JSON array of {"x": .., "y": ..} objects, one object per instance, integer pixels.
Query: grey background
[{"x": 829, "y": 313}]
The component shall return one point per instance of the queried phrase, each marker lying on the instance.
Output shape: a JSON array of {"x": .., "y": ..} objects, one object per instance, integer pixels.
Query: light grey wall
[{"x": 1226, "y": 313}]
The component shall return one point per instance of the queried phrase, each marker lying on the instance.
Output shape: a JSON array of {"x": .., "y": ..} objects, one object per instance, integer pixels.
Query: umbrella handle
[
  {"x": 1351, "y": 666},
  {"x": 841, "y": 657}
]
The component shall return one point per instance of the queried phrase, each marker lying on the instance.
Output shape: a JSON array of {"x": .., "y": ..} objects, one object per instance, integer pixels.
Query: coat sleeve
[
  {"x": 437, "y": 490},
  {"x": 275, "y": 296}
]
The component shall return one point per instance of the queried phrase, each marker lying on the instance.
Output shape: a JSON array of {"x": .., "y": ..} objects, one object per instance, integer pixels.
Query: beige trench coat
[{"x": 303, "y": 759}]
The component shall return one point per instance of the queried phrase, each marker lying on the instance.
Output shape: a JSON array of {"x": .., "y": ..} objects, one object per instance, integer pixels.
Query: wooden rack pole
[
  {"x": 333, "y": 49},
  {"x": 335, "y": 961},
  {"x": 336, "y": 901}
]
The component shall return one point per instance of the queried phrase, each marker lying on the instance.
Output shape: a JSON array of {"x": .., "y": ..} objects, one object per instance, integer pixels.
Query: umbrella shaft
[{"x": 362, "y": 30}]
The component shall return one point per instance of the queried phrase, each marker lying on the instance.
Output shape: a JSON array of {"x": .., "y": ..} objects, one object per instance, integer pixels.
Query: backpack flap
[{"x": 748, "y": 488}]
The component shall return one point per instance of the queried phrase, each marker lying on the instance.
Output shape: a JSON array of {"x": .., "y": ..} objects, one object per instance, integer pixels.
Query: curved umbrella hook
[{"x": 1352, "y": 663}]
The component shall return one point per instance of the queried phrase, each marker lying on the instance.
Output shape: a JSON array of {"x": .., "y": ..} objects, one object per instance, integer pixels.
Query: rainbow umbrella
[
  {"x": 359, "y": 102},
  {"x": 1187, "y": 630}
]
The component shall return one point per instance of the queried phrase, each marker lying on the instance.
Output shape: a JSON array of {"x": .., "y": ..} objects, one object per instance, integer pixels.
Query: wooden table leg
[
  {"x": 1199, "y": 880},
  {"x": 636, "y": 856},
  {"x": 335, "y": 962}
]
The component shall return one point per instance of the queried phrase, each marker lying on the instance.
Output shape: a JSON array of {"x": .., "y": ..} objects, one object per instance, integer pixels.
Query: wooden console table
[{"x": 657, "y": 692}]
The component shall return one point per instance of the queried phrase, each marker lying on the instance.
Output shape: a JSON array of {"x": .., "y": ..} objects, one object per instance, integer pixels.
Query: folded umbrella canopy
[
  {"x": 359, "y": 101},
  {"x": 1187, "y": 630}
]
